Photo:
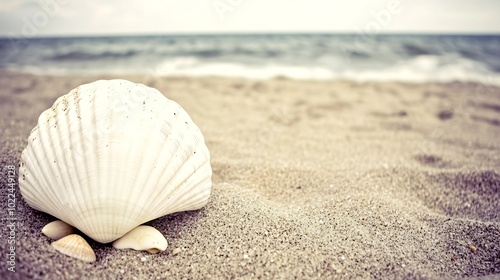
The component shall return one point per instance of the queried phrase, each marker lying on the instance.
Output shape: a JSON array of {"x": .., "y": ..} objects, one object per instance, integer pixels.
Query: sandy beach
[{"x": 311, "y": 180}]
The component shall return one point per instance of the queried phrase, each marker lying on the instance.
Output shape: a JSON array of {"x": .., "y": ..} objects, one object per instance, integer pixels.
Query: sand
[{"x": 311, "y": 179}]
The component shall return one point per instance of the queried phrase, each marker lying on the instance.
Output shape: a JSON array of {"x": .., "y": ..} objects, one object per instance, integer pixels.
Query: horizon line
[{"x": 212, "y": 33}]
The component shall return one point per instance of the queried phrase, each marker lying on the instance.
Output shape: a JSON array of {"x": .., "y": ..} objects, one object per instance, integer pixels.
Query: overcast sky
[{"x": 93, "y": 17}]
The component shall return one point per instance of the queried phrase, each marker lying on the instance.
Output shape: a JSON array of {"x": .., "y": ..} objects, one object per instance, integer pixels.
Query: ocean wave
[
  {"x": 414, "y": 50},
  {"x": 191, "y": 66},
  {"x": 418, "y": 69},
  {"x": 83, "y": 55},
  {"x": 299, "y": 56}
]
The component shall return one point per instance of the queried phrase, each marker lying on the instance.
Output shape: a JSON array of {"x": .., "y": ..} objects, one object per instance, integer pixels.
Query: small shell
[
  {"x": 142, "y": 238},
  {"x": 176, "y": 251},
  {"x": 57, "y": 229},
  {"x": 75, "y": 246}
]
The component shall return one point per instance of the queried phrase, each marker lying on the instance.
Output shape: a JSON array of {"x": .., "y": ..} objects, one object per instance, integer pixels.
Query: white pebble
[{"x": 176, "y": 251}]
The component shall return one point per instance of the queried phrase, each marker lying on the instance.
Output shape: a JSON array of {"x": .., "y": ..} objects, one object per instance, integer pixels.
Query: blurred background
[{"x": 400, "y": 40}]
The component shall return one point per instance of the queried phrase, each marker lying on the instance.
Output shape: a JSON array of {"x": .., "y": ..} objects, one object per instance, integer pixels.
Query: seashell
[
  {"x": 142, "y": 238},
  {"x": 112, "y": 155},
  {"x": 57, "y": 229},
  {"x": 176, "y": 251},
  {"x": 75, "y": 246}
]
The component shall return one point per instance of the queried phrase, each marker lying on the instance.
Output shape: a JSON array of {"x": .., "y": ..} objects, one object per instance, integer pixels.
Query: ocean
[{"x": 409, "y": 58}]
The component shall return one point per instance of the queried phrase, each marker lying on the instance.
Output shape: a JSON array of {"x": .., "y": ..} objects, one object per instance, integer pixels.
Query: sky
[{"x": 36, "y": 18}]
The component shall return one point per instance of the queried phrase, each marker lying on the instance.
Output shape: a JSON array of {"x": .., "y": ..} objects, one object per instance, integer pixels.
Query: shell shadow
[
  {"x": 173, "y": 224},
  {"x": 170, "y": 225}
]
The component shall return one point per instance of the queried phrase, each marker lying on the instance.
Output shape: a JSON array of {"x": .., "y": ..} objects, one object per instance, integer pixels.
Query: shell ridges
[
  {"x": 75, "y": 246},
  {"x": 112, "y": 155}
]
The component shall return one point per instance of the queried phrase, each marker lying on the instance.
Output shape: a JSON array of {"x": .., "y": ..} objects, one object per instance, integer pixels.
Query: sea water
[{"x": 410, "y": 58}]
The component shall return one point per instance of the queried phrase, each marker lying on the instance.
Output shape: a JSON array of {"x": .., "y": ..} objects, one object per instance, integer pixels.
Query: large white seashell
[
  {"x": 111, "y": 155},
  {"x": 142, "y": 238}
]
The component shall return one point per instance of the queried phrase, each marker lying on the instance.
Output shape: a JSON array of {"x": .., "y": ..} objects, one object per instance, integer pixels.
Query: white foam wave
[
  {"x": 429, "y": 68},
  {"x": 190, "y": 66},
  {"x": 419, "y": 69}
]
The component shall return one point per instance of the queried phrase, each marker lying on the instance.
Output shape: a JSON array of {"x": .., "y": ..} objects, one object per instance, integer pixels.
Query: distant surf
[{"x": 410, "y": 58}]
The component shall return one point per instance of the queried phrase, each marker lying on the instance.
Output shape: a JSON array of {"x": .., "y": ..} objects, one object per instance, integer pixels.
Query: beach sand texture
[{"x": 311, "y": 179}]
